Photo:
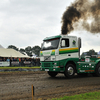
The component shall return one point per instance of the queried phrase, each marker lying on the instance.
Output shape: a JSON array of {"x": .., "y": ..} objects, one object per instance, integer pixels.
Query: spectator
[
  {"x": 19, "y": 61},
  {"x": 14, "y": 59},
  {"x": 33, "y": 62},
  {"x": 11, "y": 59},
  {"x": 22, "y": 61},
  {"x": 0, "y": 59},
  {"x": 4, "y": 59},
  {"x": 8, "y": 60}
]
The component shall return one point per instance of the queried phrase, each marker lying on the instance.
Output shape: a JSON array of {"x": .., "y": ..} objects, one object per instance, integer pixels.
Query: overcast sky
[{"x": 27, "y": 22}]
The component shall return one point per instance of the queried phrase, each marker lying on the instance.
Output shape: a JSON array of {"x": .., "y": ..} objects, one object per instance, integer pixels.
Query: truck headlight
[{"x": 55, "y": 64}]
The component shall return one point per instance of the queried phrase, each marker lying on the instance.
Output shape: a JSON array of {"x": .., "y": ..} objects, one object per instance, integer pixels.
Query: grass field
[
  {"x": 16, "y": 67},
  {"x": 85, "y": 96}
]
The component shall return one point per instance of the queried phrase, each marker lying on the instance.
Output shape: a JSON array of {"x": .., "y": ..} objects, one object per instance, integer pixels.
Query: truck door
[{"x": 64, "y": 50}]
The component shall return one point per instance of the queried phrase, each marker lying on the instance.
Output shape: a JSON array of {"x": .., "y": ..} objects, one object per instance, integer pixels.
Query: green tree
[
  {"x": 89, "y": 53},
  {"x": 28, "y": 51},
  {"x": 36, "y": 50},
  {"x": 13, "y": 47},
  {"x": 22, "y": 51}
]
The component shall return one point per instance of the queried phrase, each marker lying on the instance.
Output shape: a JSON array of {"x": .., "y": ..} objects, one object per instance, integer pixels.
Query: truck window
[
  {"x": 66, "y": 43},
  {"x": 50, "y": 44}
]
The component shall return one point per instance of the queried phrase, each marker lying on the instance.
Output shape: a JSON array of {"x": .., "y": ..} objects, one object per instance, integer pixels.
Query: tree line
[
  {"x": 89, "y": 53},
  {"x": 30, "y": 51}
]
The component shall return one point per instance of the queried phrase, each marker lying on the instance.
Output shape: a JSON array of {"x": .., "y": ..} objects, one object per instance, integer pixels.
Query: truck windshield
[{"x": 50, "y": 44}]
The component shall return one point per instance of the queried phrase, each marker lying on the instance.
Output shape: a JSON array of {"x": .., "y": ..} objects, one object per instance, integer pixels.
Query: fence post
[{"x": 32, "y": 92}]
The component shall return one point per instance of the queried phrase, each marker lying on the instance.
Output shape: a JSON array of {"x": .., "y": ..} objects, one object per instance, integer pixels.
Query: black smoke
[{"x": 78, "y": 14}]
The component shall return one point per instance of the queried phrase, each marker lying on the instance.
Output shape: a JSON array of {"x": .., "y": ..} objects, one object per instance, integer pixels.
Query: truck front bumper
[{"x": 51, "y": 66}]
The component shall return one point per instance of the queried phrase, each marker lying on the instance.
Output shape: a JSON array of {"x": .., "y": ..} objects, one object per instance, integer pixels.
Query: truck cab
[{"x": 57, "y": 51}]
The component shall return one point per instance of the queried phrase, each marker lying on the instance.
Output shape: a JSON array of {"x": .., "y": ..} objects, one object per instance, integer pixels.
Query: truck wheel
[
  {"x": 52, "y": 74},
  {"x": 69, "y": 71},
  {"x": 97, "y": 70}
]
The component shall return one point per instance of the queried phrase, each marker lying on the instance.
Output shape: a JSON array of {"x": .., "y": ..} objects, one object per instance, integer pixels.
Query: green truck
[{"x": 61, "y": 54}]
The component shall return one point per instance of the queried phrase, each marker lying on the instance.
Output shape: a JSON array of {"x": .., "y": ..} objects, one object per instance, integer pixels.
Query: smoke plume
[{"x": 82, "y": 14}]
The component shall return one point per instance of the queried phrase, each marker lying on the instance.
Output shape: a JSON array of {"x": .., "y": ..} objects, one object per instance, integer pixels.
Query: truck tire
[
  {"x": 97, "y": 70},
  {"x": 52, "y": 74},
  {"x": 69, "y": 71}
]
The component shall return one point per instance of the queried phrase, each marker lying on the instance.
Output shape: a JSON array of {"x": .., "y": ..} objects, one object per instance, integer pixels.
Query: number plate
[{"x": 46, "y": 69}]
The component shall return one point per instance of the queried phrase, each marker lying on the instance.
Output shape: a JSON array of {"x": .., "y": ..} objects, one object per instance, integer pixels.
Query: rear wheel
[
  {"x": 52, "y": 74},
  {"x": 97, "y": 70},
  {"x": 69, "y": 71}
]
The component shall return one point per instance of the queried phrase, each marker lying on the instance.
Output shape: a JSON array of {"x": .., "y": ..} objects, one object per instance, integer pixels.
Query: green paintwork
[
  {"x": 41, "y": 53},
  {"x": 50, "y": 66},
  {"x": 81, "y": 67},
  {"x": 53, "y": 52},
  {"x": 62, "y": 63},
  {"x": 52, "y": 37},
  {"x": 49, "y": 53},
  {"x": 86, "y": 67},
  {"x": 69, "y": 50}
]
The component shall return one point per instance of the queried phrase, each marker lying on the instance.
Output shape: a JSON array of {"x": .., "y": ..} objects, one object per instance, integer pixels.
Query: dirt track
[{"x": 17, "y": 86}]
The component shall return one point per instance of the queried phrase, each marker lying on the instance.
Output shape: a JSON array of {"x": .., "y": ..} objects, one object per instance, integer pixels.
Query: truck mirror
[
  {"x": 63, "y": 43},
  {"x": 41, "y": 45}
]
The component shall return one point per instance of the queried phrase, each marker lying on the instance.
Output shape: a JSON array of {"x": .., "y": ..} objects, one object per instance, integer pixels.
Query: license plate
[{"x": 46, "y": 69}]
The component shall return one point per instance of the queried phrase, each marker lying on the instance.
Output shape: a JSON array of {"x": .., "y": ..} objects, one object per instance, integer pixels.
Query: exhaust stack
[{"x": 79, "y": 46}]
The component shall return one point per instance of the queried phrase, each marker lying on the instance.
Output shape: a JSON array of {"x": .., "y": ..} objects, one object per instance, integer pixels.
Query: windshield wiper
[{"x": 46, "y": 58}]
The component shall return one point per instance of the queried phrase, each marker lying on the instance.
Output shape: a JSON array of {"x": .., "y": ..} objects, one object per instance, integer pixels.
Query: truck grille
[{"x": 47, "y": 64}]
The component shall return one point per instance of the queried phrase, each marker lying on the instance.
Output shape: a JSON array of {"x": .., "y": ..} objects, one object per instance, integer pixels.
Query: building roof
[
  {"x": 1, "y": 46},
  {"x": 11, "y": 53}
]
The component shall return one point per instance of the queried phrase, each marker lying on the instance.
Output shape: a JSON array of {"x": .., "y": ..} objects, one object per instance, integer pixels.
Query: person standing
[
  {"x": 8, "y": 60},
  {"x": 19, "y": 61}
]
